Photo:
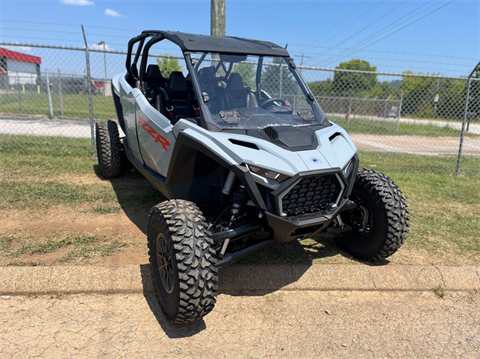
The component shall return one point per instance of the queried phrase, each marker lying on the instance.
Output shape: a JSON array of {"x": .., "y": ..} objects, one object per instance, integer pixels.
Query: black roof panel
[{"x": 221, "y": 44}]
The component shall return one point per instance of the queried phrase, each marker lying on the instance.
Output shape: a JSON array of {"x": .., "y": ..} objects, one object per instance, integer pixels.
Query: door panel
[
  {"x": 127, "y": 99},
  {"x": 155, "y": 136}
]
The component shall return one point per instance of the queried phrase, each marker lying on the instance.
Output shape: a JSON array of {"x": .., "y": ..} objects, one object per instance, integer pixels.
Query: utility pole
[
  {"x": 217, "y": 18},
  {"x": 301, "y": 62}
]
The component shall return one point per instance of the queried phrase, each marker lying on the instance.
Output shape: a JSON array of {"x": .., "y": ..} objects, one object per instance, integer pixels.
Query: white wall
[{"x": 21, "y": 72}]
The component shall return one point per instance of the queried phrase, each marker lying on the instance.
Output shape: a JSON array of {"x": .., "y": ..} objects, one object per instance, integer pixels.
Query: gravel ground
[{"x": 293, "y": 324}]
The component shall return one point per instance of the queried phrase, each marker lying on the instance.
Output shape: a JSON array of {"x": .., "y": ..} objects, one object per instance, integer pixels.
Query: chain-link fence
[{"x": 46, "y": 95}]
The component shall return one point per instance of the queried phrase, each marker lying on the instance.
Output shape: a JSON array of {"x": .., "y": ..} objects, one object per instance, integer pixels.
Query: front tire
[
  {"x": 182, "y": 261},
  {"x": 109, "y": 148},
  {"x": 381, "y": 220}
]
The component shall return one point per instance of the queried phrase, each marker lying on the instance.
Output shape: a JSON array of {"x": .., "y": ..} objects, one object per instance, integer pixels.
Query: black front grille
[{"x": 312, "y": 194}]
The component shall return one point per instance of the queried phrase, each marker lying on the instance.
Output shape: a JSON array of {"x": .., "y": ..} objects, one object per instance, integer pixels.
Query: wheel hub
[{"x": 164, "y": 263}]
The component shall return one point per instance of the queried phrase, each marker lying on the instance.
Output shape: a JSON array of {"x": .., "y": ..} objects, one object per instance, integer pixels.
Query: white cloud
[
  {"x": 77, "y": 2},
  {"x": 23, "y": 49},
  {"x": 113, "y": 13},
  {"x": 100, "y": 47}
]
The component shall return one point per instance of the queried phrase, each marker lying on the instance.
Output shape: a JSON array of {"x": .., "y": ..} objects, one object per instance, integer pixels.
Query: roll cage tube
[
  {"x": 128, "y": 62},
  {"x": 147, "y": 47},
  {"x": 308, "y": 95},
  {"x": 196, "y": 87},
  {"x": 258, "y": 78}
]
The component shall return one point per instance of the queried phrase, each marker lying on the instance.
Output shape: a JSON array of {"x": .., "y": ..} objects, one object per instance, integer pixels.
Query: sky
[{"x": 446, "y": 41}]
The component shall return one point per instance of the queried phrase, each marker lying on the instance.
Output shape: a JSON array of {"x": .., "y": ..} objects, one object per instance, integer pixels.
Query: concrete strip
[{"x": 241, "y": 278}]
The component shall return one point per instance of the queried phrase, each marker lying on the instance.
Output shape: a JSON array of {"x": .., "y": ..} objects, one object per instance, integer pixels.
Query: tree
[
  {"x": 248, "y": 73},
  {"x": 350, "y": 84},
  {"x": 322, "y": 88},
  {"x": 168, "y": 65},
  {"x": 271, "y": 79}
]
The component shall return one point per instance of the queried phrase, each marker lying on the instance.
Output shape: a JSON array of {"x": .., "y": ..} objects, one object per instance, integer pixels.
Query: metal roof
[
  {"x": 13, "y": 55},
  {"x": 221, "y": 44}
]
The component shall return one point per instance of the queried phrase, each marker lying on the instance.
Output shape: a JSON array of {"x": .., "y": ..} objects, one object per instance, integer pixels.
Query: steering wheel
[{"x": 268, "y": 102}]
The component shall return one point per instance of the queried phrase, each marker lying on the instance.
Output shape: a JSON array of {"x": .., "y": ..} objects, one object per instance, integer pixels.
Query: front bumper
[{"x": 287, "y": 229}]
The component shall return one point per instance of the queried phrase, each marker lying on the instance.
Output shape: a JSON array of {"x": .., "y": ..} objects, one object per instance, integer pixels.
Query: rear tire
[
  {"x": 182, "y": 261},
  {"x": 381, "y": 220},
  {"x": 109, "y": 149}
]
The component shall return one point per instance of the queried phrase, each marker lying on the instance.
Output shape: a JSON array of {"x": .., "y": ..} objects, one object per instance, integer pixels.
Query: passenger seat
[
  {"x": 179, "y": 98},
  {"x": 154, "y": 83}
]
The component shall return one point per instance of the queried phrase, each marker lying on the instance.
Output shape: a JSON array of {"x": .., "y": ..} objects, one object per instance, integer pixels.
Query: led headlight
[
  {"x": 271, "y": 175},
  {"x": 347, "y": 170}
]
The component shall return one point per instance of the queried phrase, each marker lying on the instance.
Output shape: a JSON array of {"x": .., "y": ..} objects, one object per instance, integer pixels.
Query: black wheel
[
  {"x": 182, "y": 261},
  {"x": 380, "y": 221},
  {"x": 109, "y": 148}
]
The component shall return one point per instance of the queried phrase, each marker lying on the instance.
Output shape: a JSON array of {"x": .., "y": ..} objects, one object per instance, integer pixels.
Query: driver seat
[{"x": 236, "y": 91}]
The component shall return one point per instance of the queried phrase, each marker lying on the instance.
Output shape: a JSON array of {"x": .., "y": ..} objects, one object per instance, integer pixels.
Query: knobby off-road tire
[
  {"x": 388, "y": 220},
  {"x": 109, "y": 148},
  {"x": 182, "y": 261}
]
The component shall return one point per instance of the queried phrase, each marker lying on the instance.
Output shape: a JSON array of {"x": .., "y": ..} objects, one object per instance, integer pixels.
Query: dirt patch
[
  {"x": 424, "y": 145},
  {"x": 61, "y": 220},
  {"x": 116, "y": 232}
]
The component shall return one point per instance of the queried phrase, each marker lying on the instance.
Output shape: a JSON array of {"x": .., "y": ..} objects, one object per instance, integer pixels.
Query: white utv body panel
[
  {"x": 156, "y": 153},
  {"x": 339, "y": 151},
  {"x": 152, "y": 131}
]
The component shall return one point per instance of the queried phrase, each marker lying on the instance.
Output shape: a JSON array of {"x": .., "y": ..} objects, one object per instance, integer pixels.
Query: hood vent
[
  {"x": 335, "y": 135},
  {"x": 271, "y": 133}
]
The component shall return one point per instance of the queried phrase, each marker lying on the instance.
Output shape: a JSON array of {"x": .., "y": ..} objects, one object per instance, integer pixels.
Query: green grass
[
  {"x": 444, "y": 214},
  {"x": 76, "y": 106},
  {"x": 104, "y": 209},
  {"x": 45, "y": 146},
  {"x": 22, "y": 195},
  {"x": 444, "y": 209},
  {"x": 389, "y": 128},
  {"x": 80, "y": 247}
]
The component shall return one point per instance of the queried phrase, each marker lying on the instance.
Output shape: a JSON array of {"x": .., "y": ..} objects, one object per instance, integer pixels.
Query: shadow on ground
[
  {"x": 287, "y": 262},
  {"x": 135, "y": 195}
]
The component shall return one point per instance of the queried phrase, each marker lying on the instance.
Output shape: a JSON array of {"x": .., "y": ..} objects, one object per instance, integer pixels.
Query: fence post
[
  {"x": 90, "y": 105},
  {"x": 19, "y": 94},
  {"x": 60, "y": 91},
  {"x": 280, "y": 80},
  {"x": 399, "y": 112},
  {"x": 385, "y": 110},
  {"x": 462, "y": 135},
  {"x": 349, "y": 113},
  {"x": 49, "y": 95}
]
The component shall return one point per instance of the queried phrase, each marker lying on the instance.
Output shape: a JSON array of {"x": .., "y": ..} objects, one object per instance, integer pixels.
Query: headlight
[
  {"x": 347, "y": 170},
  {"x": 271, "y": 175}
]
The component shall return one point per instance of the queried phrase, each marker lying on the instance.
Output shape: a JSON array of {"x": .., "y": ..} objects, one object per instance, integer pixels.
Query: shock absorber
[{"x": 240, "y": 199}]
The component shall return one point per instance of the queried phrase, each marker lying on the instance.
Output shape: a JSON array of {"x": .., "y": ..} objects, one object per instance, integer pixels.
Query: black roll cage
[{"x": 158, "y": 36}]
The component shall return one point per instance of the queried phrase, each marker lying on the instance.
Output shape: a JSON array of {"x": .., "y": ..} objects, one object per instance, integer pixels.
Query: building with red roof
[{"x": 18, "y": 68}]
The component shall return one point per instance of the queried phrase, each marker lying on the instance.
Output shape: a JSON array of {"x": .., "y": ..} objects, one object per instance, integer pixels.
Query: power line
[
  {"x": 39, "y": 30},
  {"x": 403, "y": 27},
  {"x": 372, "y": 23},
  {"x": 336, "y": 24},
  {"x": 403, "y": 60},
  {"x": 39, "y": 38},
  {"x": 385, "y": 29},
  {"x": 379, "y": 51},
  {"x": 358, "y": 18},
  {"x": 38, "y": 22}
]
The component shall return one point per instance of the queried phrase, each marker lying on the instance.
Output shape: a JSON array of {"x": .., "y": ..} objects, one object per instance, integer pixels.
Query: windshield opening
[{"x": 253, "y": 92}]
